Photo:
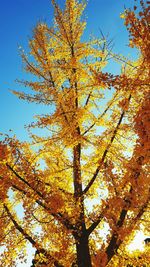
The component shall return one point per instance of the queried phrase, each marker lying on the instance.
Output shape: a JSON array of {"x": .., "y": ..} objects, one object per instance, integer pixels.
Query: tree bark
[
  {"x": 83, "y": 253},
  {"x": 115, "y": 242}
]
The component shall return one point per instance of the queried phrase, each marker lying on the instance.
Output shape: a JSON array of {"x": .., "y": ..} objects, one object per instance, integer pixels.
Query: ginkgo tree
[{"x": 83, "y": 181}]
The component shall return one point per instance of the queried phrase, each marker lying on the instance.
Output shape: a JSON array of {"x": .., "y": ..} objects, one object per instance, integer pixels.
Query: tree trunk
[{"x": 83, "y": 253}]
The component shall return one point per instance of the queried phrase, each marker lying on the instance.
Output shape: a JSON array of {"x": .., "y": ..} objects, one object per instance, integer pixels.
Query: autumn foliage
[{"x": 83, "y": 182}]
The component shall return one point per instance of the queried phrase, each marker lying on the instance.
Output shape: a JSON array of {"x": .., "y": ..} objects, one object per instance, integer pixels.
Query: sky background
[{"x": 17, "y": 20}]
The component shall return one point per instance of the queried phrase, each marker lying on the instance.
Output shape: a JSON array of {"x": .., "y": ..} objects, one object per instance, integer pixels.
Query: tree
[{"x": 84, "y": 184}]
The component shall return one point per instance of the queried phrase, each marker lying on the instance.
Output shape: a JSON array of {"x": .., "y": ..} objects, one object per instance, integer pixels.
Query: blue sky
[{"x": 17, "y": 19}]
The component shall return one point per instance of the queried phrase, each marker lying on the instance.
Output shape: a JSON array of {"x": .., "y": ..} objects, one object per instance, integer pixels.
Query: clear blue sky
[{"x": 17, "y": 19}]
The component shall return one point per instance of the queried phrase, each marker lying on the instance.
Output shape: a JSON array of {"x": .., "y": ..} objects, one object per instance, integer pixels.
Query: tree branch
[
  {"x": 19, "y": 228},
  {"x": 105, "y": 152},
  {"x": 104, "y": 112},
  {"x": 24, "y": 181},
  {"x": 115, "y": 243},
  {"x": 30, "y": 239},
  {"x": 58, "y": 216},
  {"x": 97, "y": 221}
]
